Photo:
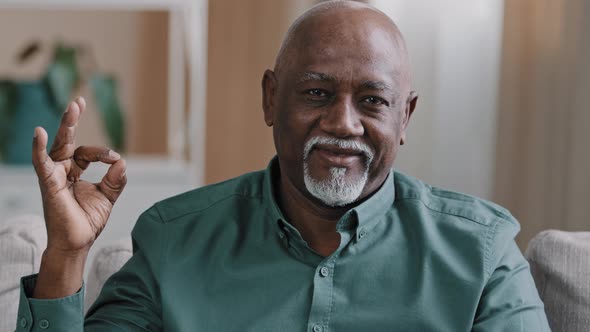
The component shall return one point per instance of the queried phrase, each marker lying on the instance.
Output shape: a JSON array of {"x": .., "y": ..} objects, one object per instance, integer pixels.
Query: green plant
[{"x": 63, "y": 76}]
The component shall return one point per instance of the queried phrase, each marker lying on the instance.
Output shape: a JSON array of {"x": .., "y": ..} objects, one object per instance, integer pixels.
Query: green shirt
[{"x": 223, "y": 258}]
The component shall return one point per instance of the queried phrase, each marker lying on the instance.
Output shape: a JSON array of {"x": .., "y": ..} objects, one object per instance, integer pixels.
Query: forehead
[
  {"x": 346, "y": 51},
  {"x": 344, "y": 66}
]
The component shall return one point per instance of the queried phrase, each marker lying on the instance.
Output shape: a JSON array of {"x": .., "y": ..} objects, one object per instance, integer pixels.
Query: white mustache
[{"x": 340, "y": 143}]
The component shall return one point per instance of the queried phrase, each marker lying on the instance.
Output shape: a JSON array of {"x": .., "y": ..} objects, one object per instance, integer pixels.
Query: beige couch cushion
[
  {"x": 107, "y": 260},
  {"x": 22, "y": 241},
  {"x": 560, "y": 263}
]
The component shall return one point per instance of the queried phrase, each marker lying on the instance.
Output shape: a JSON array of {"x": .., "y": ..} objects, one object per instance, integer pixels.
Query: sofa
[
  {"x": 560, "y": 264},
  {"x": 559, "y": 261},
  {"x": 22, "y": 241}
]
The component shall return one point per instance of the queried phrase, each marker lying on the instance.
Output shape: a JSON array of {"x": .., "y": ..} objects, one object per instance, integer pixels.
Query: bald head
[{"x": 345, "y": 21}]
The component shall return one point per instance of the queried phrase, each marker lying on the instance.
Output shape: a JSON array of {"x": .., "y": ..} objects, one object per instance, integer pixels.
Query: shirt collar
[
  {"x": 271, "y": 174},
  {"x": 370, "y": 211},
  {"x": 367, "y": 213}
]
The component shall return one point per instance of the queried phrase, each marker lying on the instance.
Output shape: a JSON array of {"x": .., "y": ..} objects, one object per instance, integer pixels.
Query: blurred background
[{"x": 503, "y": 111}]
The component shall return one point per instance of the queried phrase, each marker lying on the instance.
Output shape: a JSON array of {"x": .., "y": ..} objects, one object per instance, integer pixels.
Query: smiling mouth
[{"x": 338, "y": 157}]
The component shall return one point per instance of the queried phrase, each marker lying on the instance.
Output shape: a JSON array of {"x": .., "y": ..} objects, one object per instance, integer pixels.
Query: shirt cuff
[{"x": 63, "y": 314}]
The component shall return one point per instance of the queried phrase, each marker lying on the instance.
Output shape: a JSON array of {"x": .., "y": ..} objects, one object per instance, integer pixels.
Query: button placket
[
  {"x": 321, "y": 306},
  {"x": 323, "y": 288}
]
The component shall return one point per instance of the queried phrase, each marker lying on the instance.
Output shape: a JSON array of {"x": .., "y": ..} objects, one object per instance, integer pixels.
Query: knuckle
[
  {"x": 69, "y": 135},
  {"x": 40, "y": 163},
  {"x": 81, "y": 164},
  {"x": 79, "y": 151},
  {"x": 62, "y": 151},
  {"x": 50, "y": 181},
  {"x": 107, "y": 185}
]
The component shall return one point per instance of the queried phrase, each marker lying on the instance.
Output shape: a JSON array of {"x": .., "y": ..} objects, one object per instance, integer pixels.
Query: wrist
[
  {"x": 61, "y": 273},
  {"x": 65, "y": 254}
]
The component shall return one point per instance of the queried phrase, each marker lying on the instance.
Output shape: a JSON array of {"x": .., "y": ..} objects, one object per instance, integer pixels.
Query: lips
[{"x": 338, "y": 157}]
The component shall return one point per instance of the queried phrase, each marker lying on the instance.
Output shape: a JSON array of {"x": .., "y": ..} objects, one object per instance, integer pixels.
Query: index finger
[
  {"x": 43, "y": 164},
  {"x": 64, "y": 144}
]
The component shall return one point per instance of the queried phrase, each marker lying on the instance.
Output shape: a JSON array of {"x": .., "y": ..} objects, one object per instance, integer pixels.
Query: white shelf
[
  {"x": 95, "y": 4},
  {"x": 188, "y": 26},
  {"x": 149, "y": 181},
  {"x": 145, "y": 170}
]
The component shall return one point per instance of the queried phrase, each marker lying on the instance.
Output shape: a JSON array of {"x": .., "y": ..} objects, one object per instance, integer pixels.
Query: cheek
[
  {"x": 291, "y": 131},
  {"x": 297, "y": 118},
  {"x": 385, "y": 136}
]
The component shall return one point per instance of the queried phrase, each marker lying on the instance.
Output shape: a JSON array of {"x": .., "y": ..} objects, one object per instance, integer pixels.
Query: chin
[{"x": 339, "y": 188}]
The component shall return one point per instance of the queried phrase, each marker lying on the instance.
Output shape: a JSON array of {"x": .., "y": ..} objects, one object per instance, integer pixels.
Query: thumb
[{"x": 113, "y": 183}]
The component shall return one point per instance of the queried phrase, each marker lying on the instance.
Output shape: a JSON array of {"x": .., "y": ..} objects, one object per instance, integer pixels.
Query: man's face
[{"x": 339, "y": 109}]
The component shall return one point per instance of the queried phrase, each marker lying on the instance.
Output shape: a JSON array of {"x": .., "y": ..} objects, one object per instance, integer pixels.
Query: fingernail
[
  {"x": 114, "y": 155},
  {"x": 71, "y": 106},
  {"x": 81, "y": 101},
  {"x": 35, "y": 133}
]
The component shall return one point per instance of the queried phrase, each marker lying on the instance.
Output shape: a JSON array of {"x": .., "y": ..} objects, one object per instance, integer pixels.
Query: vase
[{"x": 33, "y": 107}]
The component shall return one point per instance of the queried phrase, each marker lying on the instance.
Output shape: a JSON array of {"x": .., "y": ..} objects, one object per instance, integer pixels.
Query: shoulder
[
  {"x": 473, "y": 226},
  {"x": 245, "y": 187},
  {"x": 452, "y": 204}
]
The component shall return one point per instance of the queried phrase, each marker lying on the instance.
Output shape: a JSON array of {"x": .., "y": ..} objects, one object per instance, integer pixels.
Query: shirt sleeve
[
  {"x": 129, "y": 300},
  {"x": 63, "y": 314},
  {"x": 510, "y": 301}
]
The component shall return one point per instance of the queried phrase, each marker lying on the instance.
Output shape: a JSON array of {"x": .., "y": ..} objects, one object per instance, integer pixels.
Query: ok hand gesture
[{"x": 75, "y": 211}]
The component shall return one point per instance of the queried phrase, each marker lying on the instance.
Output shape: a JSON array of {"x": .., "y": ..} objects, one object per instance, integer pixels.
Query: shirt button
[
  {"x": 317, "y": 328},
  {"x": 324, "y": 272},
  {"x": 362, "y": 233},
  {"x": 44, "y": 324},
  {"x": 23, "y": 322}
]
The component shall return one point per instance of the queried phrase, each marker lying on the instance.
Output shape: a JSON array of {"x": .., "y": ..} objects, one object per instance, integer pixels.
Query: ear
[
  {"x": 408, "y": 111},
  {"x": 269, "y": 85}
]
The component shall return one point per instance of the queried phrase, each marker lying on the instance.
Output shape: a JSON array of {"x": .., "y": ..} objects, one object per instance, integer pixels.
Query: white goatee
[{"x": 338, "y": 189}]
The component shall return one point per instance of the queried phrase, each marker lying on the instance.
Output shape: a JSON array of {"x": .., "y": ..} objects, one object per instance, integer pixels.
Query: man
[{"x": 327, "y": 238}]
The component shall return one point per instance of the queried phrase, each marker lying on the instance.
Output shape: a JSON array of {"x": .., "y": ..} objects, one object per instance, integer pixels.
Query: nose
[{"x": 341, "y": 119}]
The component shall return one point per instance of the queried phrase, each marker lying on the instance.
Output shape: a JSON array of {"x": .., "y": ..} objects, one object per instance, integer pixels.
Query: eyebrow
[
  {"x": 314, "y": 76},
  {"x": 367, "y": 84},
  {"x": 375, "y": 85}
]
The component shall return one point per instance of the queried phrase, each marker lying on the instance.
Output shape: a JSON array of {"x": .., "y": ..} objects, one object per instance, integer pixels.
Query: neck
[{"x": 315, "y": 222}]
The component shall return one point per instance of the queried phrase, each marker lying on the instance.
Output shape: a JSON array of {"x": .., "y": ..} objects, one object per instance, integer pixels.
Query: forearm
[{"x": 61, "y": 274}]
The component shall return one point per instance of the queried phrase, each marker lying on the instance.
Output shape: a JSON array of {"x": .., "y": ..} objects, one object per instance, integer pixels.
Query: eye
[
  {"x": 373, "y": 100},
  {"x": 316, "y": 93},
  {"x": 316, "y": 96}
]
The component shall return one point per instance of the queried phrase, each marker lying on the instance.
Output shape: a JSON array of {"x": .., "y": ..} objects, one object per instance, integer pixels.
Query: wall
[
  {"x": 544, "y": 123},
  {"x": 455, "y": 48},
  {"x": 244, "y": 37}
]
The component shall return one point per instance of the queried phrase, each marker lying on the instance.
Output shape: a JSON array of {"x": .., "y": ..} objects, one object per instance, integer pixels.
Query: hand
[{"x": 75, "y": 211}]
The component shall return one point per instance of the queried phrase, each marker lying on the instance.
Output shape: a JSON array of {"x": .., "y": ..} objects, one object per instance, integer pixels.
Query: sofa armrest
[
  {"x": 560, "y": 264},
  {"x": 107, "y": 260},
  {"x": 22, "y": 242}
]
